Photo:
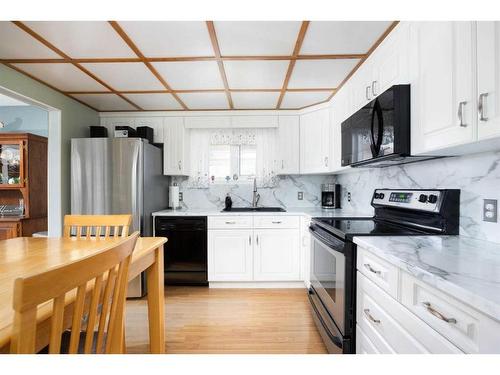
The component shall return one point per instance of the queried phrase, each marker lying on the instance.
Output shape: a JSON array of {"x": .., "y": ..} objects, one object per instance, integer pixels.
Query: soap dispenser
[{"x": 228, "y": 203}]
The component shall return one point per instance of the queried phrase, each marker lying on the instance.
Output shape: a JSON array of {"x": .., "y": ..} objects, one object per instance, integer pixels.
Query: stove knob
[
  {"x": 381, "y": 195},
  {"x": 376, "y": 196},
  {"x": 433, "y": 198},
  {"x": 422, "y": 198}
]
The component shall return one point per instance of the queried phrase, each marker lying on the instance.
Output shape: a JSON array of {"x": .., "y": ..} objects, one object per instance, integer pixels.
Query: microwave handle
[{"x": 376, "y": 144}]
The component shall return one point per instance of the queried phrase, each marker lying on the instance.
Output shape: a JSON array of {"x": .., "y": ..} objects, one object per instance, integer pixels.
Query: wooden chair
[
  {"x": 103, "y": 276},
  {"x": 93, "y": 225}
]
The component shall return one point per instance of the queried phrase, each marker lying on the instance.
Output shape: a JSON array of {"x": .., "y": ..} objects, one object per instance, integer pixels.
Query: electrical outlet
[
  {"x": 490, "y": 210},
  {"x": 300, "y": 195},
  {"x": 180, "y": 196},
  {"x": 348, "y": 196}
]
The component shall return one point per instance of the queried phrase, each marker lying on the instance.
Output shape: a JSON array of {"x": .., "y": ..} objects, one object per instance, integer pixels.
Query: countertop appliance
[
  {"x": 119, "y": 176},
  {"x": 330, "y": 196},
  {"x": 378, "y": 135},
  {"x": 186, "y": 259},
  {"x": 398, "y": 212}
]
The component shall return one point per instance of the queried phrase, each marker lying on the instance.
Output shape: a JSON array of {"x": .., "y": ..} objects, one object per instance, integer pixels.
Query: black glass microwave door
[
  {"x": 386, "y": 104},
  {"x": 328, "y": 279}
]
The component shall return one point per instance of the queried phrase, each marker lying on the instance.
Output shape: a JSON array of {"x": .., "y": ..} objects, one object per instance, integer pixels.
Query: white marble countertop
[
  {"x": 308, "y": 211},
  {"x": 462, "y": 267}
]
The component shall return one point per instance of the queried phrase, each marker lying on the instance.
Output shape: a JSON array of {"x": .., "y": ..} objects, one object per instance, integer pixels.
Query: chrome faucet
[{"x": 256, "y": 197}]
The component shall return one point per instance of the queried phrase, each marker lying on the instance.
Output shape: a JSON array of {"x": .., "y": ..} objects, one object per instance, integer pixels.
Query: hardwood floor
[{"x": 202, "y": 320}]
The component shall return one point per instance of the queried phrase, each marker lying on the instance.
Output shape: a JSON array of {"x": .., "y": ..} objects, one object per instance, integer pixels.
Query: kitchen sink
[{"x": 255, "y": 209}]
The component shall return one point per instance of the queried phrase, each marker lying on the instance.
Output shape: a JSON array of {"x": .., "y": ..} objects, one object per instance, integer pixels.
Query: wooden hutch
[{"x": 23, "y": 184}]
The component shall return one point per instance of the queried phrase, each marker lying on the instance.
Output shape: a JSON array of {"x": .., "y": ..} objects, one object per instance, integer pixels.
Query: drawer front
[
  {"x": 404, "y": 332},
  {"x": 228, "y": 222},
  {"x": 273, "y": 222},
  {"x": 363, "y": 343},
  {"x": 379, "y": 324},
  {"x": 450, "y": 317},
  {"x": 382, "y": 273}
]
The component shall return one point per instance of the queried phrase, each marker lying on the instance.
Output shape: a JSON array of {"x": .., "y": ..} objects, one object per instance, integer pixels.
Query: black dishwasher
[{"x": 185, "y": 253}]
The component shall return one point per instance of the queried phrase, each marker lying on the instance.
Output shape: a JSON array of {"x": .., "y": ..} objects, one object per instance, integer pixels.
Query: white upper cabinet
[
  {"x": 315, "y": 146},
  {"x": 175, "y": 147},
  {"x": 287, "y": 161},
  {"x": 488, "y": 79},
  {"x": 443, "y": 101}
]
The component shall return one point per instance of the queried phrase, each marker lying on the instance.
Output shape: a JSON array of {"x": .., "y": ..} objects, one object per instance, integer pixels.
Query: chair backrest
[
  {"x": 100, "y": 282},
  {"x": 97, "y": 225}
]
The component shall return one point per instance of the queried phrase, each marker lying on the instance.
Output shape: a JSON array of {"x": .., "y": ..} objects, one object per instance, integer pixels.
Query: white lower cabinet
[
  {"x": 230, "y": 255},
  {"x": 417, "y": 318},
  {"x": 276, "y": 255},
  {"x": 258, "y": 248}
]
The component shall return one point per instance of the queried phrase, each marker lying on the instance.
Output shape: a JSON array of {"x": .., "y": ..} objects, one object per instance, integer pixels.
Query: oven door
[{"x": 328, "y": 273}]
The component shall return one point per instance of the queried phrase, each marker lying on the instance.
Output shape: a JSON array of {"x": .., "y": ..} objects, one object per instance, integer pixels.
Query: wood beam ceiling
[
  {"x": 220, "y": 63},
  {"x": 49, "y": 45},
  {"x": 141, "y": 56},
  {"x": 291, "y": 65}
]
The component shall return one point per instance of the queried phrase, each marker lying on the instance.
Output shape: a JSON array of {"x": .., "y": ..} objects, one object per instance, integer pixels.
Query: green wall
[{"x": 75, "y": 118}]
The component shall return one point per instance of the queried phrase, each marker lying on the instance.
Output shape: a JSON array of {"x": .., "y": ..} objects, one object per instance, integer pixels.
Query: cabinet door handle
[
  {"x": 326, "y": 161},
  {"x": 482, "y": 106},
  {"x": 437, "y": 314},
  {"x": 374, "y": 83},
  {"x": 250, "y": 240},
  {"x": 369, "y": 316},
  {"x": 257, "y": 239},
  {"x": 367, "y": 93},
  {"x": 369, "y": 268},
  {"x": 282, "y": 164},
  {"x": 179, "y": 165},
  {"x": 461, "y": 114}
]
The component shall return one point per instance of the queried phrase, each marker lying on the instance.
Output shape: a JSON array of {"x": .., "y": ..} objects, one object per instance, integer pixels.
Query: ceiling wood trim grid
[{"x": 216, "y": 57}]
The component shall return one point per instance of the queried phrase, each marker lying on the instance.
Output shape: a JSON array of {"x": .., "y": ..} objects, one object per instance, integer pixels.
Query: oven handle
[
  {"x": 336, "y": 247},
  {"x": 334, "y": 339}
]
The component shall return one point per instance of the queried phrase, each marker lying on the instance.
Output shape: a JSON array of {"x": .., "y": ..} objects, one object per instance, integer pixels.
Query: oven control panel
[{"x": 422, "y": 200}]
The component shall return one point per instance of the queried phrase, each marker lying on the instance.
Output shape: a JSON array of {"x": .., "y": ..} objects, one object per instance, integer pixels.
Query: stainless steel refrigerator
[{"x": 119, "y": 176}]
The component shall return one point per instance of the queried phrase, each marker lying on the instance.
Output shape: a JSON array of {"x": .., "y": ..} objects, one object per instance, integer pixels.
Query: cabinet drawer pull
[
  {"x": 461, "y": 114},
  {"x": 481, "y": 106},
  {"x": 367, "y": 92},
  {"x": 230, "y": 222},
  {"x": 370, "y": 317},
  {"x": 437, "y": 314},
  {"x": 276, "y": 222},
  {"x": 369, "y": 268}
]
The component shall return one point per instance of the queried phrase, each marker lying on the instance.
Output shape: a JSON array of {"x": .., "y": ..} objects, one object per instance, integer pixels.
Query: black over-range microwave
[{"x": 378, "y": 135}]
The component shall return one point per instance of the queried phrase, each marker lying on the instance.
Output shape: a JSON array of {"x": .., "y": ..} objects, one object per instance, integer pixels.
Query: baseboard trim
[{"x": 257, "y": 284}]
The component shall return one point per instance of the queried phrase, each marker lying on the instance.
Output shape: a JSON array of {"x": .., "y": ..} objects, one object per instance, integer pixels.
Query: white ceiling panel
[
  {"x": 83, "y": 39},
  {"x": 257, "y": 37},
  {"x": 255, "y": 100},
  {"x": 342, "y": 37},
  {"x": 154, "y": 101},
  {"x": 125, "y": 76},
  {"x": 301, "y": 99},
  {"x": 65, "y": 77},
  {"x": 170, "y": 38},
  {"x": 105, "y": 102},
  {"x": 320, "y": 73},
  {"x": 190, "y": 75},
  {"x": 17, "y": 44},
  {"x": 256, "y": 74},
  {"x": 205, "y": 100}
]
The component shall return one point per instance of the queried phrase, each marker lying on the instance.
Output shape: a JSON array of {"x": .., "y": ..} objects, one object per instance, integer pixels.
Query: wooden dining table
[{"x": 25, "y": 256}]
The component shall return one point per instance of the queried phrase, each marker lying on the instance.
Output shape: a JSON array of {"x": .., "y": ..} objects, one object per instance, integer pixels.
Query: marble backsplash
[
  {"x": 283, "y": 194},
  {"x": 478, "y": 177}
]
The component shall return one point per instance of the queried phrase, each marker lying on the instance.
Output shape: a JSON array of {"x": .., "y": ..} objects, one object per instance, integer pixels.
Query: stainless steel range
[{"x": 398, "y": 212}]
